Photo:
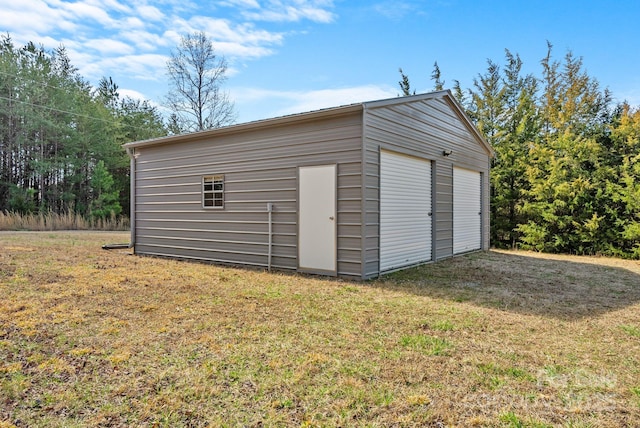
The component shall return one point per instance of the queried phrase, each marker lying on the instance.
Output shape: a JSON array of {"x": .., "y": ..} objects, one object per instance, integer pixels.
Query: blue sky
[{"x": 289, "y": 56}]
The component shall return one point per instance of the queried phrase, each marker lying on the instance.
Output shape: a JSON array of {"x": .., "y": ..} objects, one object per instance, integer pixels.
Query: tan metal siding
[
  {"x": 259, "y": 166},
  {"x": 444, "y": 210},
  {"x": 422, "y": 128},
  {"x": 260, "y": 160}
]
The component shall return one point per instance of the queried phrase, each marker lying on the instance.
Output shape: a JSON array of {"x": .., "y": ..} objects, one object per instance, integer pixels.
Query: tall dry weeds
[{"x": 55, "y": 221}]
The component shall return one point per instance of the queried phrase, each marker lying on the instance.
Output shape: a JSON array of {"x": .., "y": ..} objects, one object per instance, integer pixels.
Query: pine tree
[
  {"x": 104, "y": 203},
  {"x": 517, "y": 129},
  {"x": 622, "y": 189},
  {"x": 564, "y": 206},
  {"x": 55, "y": 127},
  {"x": 566, "y": 172},
  {"x": 405, "y": 85},
  {"x": 438, "y": 83}
]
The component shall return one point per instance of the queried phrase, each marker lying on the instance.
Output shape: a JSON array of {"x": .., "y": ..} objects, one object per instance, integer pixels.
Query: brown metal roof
[{"x": 317, "y": 114}]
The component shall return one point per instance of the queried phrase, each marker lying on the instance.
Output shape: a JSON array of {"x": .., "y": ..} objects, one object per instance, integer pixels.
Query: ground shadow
[{"x": 527, "y": 283}]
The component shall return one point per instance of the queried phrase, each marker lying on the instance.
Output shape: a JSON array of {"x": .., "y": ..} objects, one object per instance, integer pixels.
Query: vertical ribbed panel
[
  {"x": 405, "y": 210},
  {"x": 467, "y": 215}
]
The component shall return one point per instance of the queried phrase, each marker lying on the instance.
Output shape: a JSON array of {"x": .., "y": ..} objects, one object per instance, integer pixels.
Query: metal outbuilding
[{"x": 352, "y": 191}]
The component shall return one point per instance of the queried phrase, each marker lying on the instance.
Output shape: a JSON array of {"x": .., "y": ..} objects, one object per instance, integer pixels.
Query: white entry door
[
  {"x": 405, "y": 210},
  {"x": 317, "y": 250},
  {"x": 467, "y": 211}
]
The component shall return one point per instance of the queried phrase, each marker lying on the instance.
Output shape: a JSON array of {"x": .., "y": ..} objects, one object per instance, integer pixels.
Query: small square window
[{"x": 213, "y": 191}]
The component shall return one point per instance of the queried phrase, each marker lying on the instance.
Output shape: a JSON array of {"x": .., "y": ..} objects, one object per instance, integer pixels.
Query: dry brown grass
[
  {"x": 53, "y": 221},
  {"x": 96, "y": 338}
]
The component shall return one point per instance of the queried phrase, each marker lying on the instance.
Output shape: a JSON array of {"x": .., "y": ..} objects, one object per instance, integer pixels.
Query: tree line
[
  {"x": 566, "y": 173},
  {"x": 61, "y": 139},
  {"x": 565, "y": 177}
]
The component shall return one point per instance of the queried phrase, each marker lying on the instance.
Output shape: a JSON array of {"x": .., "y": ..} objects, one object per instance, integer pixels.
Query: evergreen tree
[
  {"x": 405, "y": 85},
  {"x": 622, "y": 189},
  {"x": 566, "y": 168},
  {"x": 55, "y": 128},
  {"x": 487, "y": 103},
  {"x": 438, "y": 83},
  {"x": 565, "y": 207},
  {"x": 104, "y": 201},
  {"x": 517, "y": 127},
  {"x": 138, "y": 120}
]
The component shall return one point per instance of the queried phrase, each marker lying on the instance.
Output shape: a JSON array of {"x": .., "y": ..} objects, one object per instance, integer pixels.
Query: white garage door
[
  {"x": 405, "y": 210},
  {"x": 467, "y": 225}
]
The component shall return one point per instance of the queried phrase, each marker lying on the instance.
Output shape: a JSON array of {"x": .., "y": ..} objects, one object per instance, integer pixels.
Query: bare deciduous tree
[{"x": 196, "y": 75}]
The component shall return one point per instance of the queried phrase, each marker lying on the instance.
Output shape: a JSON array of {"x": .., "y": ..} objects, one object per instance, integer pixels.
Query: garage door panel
[
  {"x": 405, "y": 207},
  {"x": 467, "y": 217}
]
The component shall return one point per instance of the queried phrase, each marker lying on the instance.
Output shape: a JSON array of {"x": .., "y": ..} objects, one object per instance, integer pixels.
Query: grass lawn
[{"x": 102, "y": 338}]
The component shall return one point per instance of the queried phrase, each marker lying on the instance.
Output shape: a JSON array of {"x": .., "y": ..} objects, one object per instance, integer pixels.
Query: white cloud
[
  {"x": 146, "y": 67},
  {"x": 229, "y": 49},
  {"x": 226, "y": 31},
  {"x": 150, "y": 13},
  {"x": 291, "y": 14},
  {"x": 325, "y": 98},
  {"x": 130, "y": 40},
  {"x": 280, "y": 103},
  {"x": 110, "y": 47},
  {"x": 82, "y": 11},
  {"x": 131, "y": 22},
  {"x": 40, "y": 17},
  {"x": 145, "y": 41},
  {"x": 133, "y": 94},
  {"x": 79, "y": 56},
  {"x": 109, "y": 4},
  {"x": 127, "y": 27},
  {"x": 241, "y": 3},
  {"x": 283, "y": 10},
  {"x": 292, "y": 11},
  {"x": 396, "y": 10},
  {"x": 146, "y": 27},
  {"x": 171, "y": 38},
  {"x": 233, "y": 40}
]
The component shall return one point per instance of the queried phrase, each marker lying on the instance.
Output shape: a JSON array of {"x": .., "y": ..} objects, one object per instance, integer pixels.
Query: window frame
[{"x": 213, "y": 191}]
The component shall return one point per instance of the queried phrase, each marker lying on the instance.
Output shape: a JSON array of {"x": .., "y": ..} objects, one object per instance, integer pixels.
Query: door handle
[{"x": 331, "y": 218}]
